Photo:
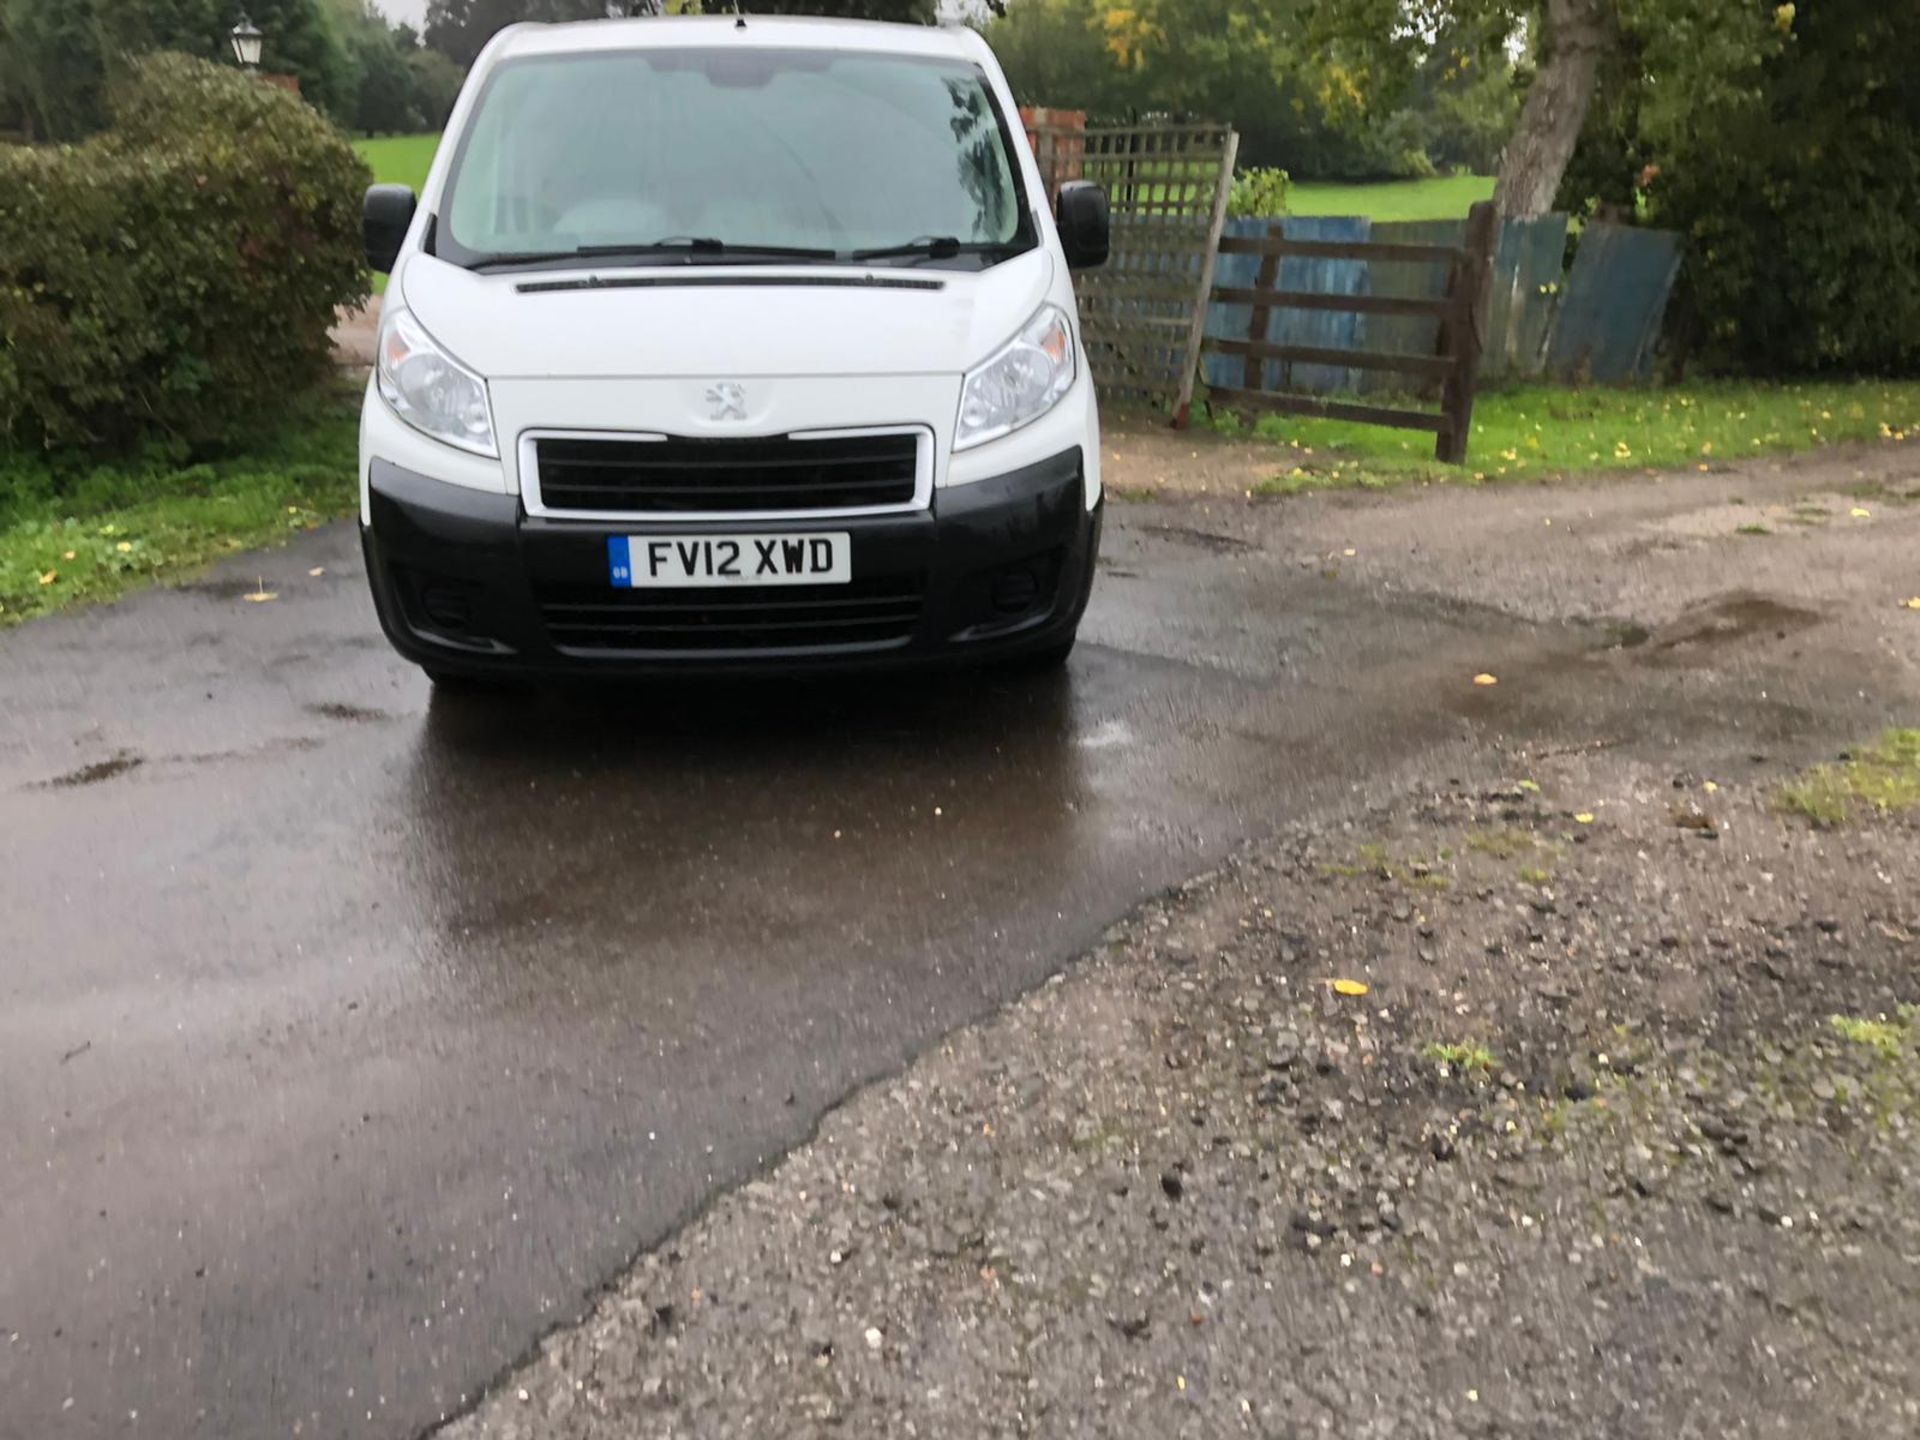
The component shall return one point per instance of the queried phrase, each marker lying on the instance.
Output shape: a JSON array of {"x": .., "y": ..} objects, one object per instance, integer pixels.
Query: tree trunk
[{"x": 1576, "y": 36}]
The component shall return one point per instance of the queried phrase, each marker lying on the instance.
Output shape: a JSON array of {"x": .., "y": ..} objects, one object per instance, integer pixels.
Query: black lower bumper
[{"x": 466, "y": 582}]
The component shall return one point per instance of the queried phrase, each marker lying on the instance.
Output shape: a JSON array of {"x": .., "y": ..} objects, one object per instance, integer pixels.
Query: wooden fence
[
  {"x": 1459, "y": 310},
  {"x": 1597, "y": 321},
  {"x": 1143, "y": 314}
]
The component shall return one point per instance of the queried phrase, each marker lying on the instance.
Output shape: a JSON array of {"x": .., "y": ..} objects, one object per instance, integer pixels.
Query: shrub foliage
[
  {"x": 175, "y": 276},
  {"x": 1259, "y": 191}
]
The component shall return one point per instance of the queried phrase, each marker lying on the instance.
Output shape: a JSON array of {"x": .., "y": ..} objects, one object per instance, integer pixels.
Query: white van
[{"x": 730, "y": 344}]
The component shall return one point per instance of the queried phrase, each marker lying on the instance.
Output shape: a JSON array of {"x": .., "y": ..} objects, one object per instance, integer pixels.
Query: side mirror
[
  {"x": 383, "y": 223},
  {"x": 1086, "y": 225}
]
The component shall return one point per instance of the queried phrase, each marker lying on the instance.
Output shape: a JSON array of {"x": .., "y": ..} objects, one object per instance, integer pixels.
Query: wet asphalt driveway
[{"x": 349, "y": 1039}]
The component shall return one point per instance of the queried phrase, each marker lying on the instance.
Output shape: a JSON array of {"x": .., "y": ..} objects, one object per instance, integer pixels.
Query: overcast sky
[{"x": 414, "y": 12}]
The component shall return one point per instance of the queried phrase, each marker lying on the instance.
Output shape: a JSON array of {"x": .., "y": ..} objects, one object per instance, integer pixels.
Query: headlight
[
  {"x": 1021, "y": 383},
  {"x": 429, "y": 389}
]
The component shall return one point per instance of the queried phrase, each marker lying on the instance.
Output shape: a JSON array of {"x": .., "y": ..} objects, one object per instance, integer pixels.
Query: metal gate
[{"x": 1144, "y": 313}]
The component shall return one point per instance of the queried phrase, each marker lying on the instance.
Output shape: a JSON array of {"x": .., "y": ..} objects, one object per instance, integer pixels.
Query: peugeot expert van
[{"x": 725, "y": 344}]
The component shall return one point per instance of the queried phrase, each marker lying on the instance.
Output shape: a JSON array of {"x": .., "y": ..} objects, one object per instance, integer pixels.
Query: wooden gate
[
  {"x": 1144, "y": 312},
  {"x": 1454, "y": 361}
]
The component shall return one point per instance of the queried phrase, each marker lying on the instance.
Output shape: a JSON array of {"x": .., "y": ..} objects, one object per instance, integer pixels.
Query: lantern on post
[{"x": 247, "y": 40}]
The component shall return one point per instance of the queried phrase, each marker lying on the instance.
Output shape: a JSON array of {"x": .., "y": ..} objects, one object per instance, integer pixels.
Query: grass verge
[
  {"x": 1536, "y": 432},
  {"x": 77, "y": 531},
  {"x": 1883, "y": 777}
]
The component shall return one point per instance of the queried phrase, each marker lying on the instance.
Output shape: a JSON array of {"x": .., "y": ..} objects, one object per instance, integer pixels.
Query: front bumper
[{"x": 466, "y": 582}]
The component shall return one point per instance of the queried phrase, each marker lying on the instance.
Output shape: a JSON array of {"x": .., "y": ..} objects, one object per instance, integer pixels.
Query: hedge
[
  {"x": 174, "y": 277},
  {"x": 1800, "y": 199}
]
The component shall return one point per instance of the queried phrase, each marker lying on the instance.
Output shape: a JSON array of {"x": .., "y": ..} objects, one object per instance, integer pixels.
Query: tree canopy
[
  {"x": 57, "y": 57},
  {"x": 1319, "y": 99}
]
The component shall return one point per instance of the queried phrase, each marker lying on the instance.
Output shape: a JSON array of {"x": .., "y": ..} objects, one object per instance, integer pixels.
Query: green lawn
[
  {"x": 1444, "y": 198},
  {"x": 399, "y": 159},
  {"x": 1534, "y": 433},
  {"x": 78, "y": 531}
]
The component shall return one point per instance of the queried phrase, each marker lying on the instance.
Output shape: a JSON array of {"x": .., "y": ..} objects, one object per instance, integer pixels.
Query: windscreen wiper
[
  {"x": 934, "y": 247},
  {"x": 688, "y": 246},
  {"x": 707, "y": 245},
  {"x": 937, "y": 247}
]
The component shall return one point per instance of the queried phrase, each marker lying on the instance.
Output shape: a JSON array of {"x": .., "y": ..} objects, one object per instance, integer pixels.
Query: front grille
[
  {"x": 864, "y": 614},
  {"x": 682, "y": 476}
]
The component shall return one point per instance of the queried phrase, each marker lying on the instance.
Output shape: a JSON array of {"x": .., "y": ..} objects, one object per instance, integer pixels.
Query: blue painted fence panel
[
  {"x": 1609, "y": 319},
  {"x": 1229, "y": 322},
  {"x": 1528, "y": 268},
  {"x": 1327, "y": 329},
  {"x": 1407, "y": 334},
  {"x": 1291, "y": 327},
  {"x": 1601, "y": 323}
]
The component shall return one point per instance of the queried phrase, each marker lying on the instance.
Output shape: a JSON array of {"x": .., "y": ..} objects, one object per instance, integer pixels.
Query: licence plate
[{"x": 690, "y": 562}]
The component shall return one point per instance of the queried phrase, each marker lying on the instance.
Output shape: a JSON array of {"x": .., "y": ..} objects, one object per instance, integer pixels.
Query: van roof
[{"x": 783, "y": 32}]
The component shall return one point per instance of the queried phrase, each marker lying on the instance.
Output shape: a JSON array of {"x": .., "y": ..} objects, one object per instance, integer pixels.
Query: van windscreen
[{"x": 725, "y": 154}]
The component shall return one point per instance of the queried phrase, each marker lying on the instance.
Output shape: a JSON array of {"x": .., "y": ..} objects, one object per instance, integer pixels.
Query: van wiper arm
[
  {"x": 934, "y": 247},
  {"x": 689, "y": 246},
  {"x": 522, "y": 257},
  {"x": 707, "y": 245}
]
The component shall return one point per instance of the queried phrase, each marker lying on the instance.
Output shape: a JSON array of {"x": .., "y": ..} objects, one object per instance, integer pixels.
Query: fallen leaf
[
  {"x": 1532, "y": 787},
  {"x": 1485, "y": 679},
  {"x": 261, "y": 594},
  {"x": 70, "y": 555},
  {"x": 1860, "y": 512},
  {"x": 1913, "y": 604},
  {"x": 53, "y": 575},
  {"x": 1349, "y": 553},
  {"x": 317, "y": 571},
  {"x": 1351, "y": 987},
  {"x": 1585, "y": 817},
  {"x": 125, "y": 547},
  {"x": 1710, "y": 787}
]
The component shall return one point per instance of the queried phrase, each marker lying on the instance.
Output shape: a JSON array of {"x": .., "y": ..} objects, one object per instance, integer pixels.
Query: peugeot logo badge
[{"x": 727, "y": 400}]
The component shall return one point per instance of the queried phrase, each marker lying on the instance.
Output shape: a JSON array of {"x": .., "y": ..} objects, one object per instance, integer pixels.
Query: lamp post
[{"x": 247, "y": 40}]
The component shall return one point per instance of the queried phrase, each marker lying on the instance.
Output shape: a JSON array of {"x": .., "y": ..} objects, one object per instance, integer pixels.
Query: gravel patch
[{"x": 1620, "y": 1139}]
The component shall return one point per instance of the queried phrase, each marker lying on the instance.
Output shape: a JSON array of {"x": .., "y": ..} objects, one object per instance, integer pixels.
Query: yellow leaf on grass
[
  {"x": 70, "y": 555},
  {"x": 1351, "y": 987},
  {"x": 125, "y": 547},
  {"x": 1485, "y": 679},
  {"x": 1585, "y": 817},
  {"x": 53, "y": 575}
]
